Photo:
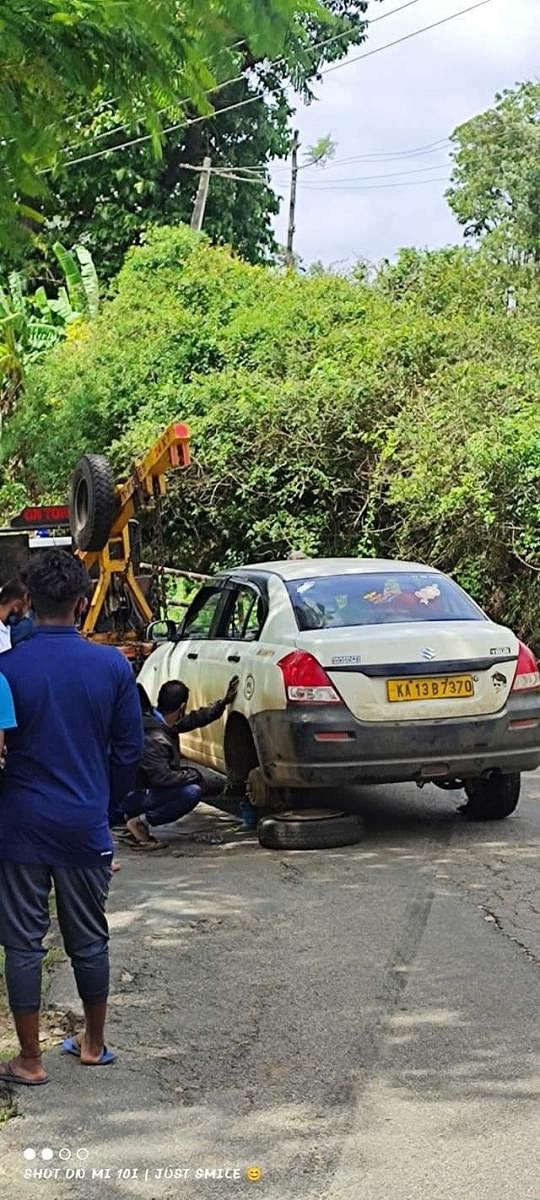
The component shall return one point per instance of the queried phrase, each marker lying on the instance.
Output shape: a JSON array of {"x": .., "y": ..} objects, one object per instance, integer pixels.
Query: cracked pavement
[{"x": 359, "y": 1023}]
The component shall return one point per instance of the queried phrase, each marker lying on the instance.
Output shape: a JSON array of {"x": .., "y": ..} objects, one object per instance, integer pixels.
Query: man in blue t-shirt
[{"x": 76, "y": 747}]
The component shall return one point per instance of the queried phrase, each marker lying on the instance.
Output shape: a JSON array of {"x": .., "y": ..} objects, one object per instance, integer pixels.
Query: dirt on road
[{"x": 356, "y": 1024}]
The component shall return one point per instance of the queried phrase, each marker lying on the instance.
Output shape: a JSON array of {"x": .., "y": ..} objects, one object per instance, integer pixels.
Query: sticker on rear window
[
  {"x": 425, "y": 594},
  {"x": 345, "y": 660}
]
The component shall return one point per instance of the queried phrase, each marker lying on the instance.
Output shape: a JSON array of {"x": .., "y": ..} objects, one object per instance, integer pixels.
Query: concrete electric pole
[
  {"x": 292, "y": 202},
  {"x": 197, "y": 217}
]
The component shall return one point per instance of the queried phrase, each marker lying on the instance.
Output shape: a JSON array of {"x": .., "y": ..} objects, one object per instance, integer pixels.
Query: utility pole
[
  {"x": 197, "y": 216},
  {"x": 292, "y": 202}
]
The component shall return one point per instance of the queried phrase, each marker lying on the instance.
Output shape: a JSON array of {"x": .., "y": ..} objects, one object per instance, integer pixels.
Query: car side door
[
  {"x": 222, "y": 656},
  {"x": 231, "y": 652},
  {"x": 190, "y": 660}
]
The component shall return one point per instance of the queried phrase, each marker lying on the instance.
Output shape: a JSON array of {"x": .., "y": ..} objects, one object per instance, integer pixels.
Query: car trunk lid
[{"x": 361, "y": 660}]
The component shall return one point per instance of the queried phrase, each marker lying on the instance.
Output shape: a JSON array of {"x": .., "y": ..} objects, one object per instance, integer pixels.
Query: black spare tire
[
  {"x": 92, "y": 503},
  {"x": 309, "y": 831}
]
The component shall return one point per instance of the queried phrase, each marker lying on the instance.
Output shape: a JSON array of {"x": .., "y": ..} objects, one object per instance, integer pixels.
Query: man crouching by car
[{"x": 167, "y": 788}]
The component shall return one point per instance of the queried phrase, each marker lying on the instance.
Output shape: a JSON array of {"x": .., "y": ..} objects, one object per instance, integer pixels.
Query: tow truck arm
[{"x": 142, "y": 490}]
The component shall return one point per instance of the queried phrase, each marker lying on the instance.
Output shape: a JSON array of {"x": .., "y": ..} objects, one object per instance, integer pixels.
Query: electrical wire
[
  {"x": 375, "y": 187},
  {"x": 260, "y": 95},
  {"x": 378, "y": 158},
  {"x": 236, "y": 79},
  {"x": 385, "y": 175},
  {"x": 406, "y": 37}
]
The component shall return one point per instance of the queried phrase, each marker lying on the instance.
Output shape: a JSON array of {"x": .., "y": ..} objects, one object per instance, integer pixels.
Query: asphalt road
[{"x": 359, "y": 1024}]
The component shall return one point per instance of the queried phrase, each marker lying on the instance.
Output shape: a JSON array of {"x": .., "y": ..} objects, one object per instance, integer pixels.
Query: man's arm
[
  {"x": 127, "y": 738},
  {"x": 205, "y": 716},
  {"x": 200, "y": 717}
]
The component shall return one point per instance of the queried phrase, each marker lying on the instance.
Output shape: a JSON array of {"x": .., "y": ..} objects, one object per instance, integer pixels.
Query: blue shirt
[
  {"x": 7, "y": 711},
  {"x": 77, "y": 746}
]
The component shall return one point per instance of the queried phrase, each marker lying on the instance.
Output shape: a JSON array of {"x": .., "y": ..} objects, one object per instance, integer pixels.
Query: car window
[
  {"x": 200, "y": 617},
  {"x": 246, "y": 616},
  {"x": 380, "y": 598}
]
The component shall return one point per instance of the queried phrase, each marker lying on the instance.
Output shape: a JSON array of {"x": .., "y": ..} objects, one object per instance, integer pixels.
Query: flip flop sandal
[
  {"x": 145, "y": 847},
  {"x": 11, "y": 1077},
  {"x": 71, "y": 1046}
]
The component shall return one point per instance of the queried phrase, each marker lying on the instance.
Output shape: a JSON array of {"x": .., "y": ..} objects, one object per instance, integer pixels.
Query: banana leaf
[
  {"x": 89, "y": 279},
  {"x": 73, "y": 278}
]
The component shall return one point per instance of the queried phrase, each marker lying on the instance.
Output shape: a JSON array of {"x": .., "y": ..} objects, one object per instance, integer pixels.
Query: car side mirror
[{"x": 162, "y": 631}]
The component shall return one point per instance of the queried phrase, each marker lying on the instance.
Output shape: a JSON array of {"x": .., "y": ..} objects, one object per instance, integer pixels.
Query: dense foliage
[
  {"x": 340, "y": 416},
  {"x": 59, "y": 58},
  {"x": 108, "y": 201},
  {"x": 496, "y": 176}
]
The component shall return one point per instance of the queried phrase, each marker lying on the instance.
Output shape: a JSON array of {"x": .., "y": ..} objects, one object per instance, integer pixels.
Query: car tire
[
  {"x": 92, "y": 502},
  {"x": 492, "y": 799},
  {"x": 306, "y": 831}
]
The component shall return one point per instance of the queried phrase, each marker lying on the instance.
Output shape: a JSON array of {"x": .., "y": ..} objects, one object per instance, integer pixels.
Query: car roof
[{"x": 313, "y": 568}]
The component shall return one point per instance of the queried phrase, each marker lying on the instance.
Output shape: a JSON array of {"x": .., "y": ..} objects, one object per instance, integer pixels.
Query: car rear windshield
[{"x": 381, "y": 598}]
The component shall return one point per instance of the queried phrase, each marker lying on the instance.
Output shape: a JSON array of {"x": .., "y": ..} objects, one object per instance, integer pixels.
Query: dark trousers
[
  {"x": 81, "y": 896},
  {"x": 162, "y": 806}
]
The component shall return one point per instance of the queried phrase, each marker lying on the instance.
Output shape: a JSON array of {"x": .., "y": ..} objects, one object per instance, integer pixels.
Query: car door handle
[
  {"x": 191, "y": 655},
  {"x": 233, "y": 658}
]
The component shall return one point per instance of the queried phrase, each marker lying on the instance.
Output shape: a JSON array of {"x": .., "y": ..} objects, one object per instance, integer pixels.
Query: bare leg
[
  {"x": 92, "y": 1041},
  {"x": 28, "y": 1063}
]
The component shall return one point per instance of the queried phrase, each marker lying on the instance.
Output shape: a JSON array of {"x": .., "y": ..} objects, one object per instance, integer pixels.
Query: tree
[
  {"x": 398, "y": 417},
  {"x": 496, "y": 177},
  {"x": 32, "y": 324},
  {"x": 58, "y": 57},
  {"x": 108, "y": 201}
]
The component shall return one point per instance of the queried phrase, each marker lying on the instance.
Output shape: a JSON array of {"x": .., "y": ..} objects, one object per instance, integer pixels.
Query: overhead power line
[
  {"x": 329, "y": 183},
  {"x": 407, "y": 36},
  {"x": 374, "y": 187},
  {"x": 228, "y": 83},
  {"x": 260, "y": 95},
  {"x": 376, "y": 157}
]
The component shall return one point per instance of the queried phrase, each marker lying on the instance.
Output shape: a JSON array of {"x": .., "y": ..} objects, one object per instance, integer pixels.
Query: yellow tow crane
[{"x": 102, "y": 513}]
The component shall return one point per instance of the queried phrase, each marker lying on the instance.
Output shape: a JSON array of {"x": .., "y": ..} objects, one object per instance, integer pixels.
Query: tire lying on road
[
  {"x": 494, "y": 798},
  {"x": 92, "y": 502},
  {"x": 309, "y": 830}
]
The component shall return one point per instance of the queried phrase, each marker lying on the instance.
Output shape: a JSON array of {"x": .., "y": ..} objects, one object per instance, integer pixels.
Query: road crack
[{"x": 492, "y": 917}]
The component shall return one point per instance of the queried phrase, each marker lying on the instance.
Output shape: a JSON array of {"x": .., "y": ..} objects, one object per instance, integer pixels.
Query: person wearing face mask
[
  {"x": 168, "y": 788},
  {"x": 13, "y": 602}
]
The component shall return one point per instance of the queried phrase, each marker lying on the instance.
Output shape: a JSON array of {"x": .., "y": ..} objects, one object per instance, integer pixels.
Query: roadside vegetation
[
  {"x": 397, "y": 416},
  {"x": 393, "y": 412}
]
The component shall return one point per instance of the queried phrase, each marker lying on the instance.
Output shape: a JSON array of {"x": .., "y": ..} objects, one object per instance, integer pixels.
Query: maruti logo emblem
[{"x": 428, "y": 653}]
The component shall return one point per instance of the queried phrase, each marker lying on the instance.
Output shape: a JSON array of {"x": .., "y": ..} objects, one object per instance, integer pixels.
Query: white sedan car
[{"x": 355, "y": 671}]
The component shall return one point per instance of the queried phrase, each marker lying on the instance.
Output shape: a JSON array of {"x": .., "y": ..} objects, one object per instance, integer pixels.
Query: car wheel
[
  {"x": 314, "y": 830},
  {"x": 494, "y": 798},
  {"x": 264, "y": 798}
]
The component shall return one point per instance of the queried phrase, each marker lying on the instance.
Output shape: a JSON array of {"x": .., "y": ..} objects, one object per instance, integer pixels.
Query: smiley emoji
[{"x": 254, "y": 1174}]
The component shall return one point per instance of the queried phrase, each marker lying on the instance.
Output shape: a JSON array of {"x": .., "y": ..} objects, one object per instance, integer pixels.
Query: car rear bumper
[{"x": 294, "y": 751}]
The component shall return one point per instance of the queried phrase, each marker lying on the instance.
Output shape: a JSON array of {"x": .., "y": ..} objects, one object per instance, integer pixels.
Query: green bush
[{"x": 399, "y": 417}]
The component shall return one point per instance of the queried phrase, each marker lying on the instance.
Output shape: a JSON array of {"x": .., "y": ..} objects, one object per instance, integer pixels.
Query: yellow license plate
[{"x": 444, "y": 687}]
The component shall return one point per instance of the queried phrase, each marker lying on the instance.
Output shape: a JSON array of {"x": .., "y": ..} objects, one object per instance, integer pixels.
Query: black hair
[
  {"x": 14, "y": 589},
  {"x": 172, "y": 696},
  {"x": 56, "y": 580}
]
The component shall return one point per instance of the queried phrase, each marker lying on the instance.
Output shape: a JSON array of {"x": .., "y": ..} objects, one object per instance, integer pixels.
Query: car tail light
[
  {"x": 527, "y": 676},
  {"x": 305, "y": 680}
]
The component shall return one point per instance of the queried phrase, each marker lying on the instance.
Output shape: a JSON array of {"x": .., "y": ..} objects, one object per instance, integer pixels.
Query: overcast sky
[{"x": 406, "y": 97}]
